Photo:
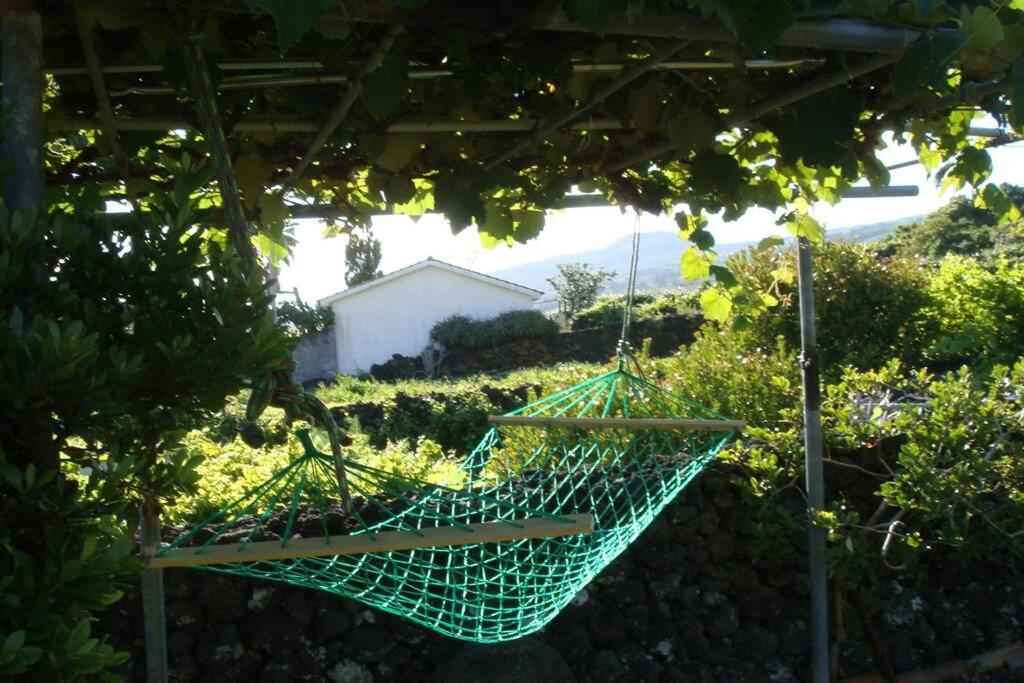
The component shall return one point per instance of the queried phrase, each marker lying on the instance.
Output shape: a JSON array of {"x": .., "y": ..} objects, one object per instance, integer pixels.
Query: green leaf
[
  {"x": 724, "y": 276},
  {"x": 808, "y": 227},
  {"x": 528, "y": 223},
  {"x": 926, "y": 8},
  {"x": 716, "y": 304},
  {"x": 694, "y": 264},
  {"x": 759, "y": 23},
  {"x": 398, "y": 151},
  {"x": 692, "y": 129},
  {"x": 925, "y": 64},
  {"x": 703, "y": 239},
  {"x": 645, "y": 107},
  {"x": 384, "y": 90},
  {"x": 770, "y": 243},
  {"x": 252, "y": 173},
  {"x": 293, "y": 18},
  {"x": 1017, "y": 91},
  {"x": 594, "y": 14},
  {"x": 982, "y": 27}
]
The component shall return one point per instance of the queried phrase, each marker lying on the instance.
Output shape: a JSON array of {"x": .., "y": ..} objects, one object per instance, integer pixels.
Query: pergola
[{"x": 491, "y": 113}]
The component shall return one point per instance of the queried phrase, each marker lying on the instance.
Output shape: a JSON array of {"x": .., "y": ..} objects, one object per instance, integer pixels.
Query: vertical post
[
  {"x": 21, "y": 49},
  {"x": 815, "y": 478},
  {"x": 153, "y": 618}
]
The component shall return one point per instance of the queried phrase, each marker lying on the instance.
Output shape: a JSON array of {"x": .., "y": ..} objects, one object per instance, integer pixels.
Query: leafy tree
[
  {"x": 577, "y": 286},
  {"x": 117, "y": 338},
  {"x": 868, "y": 310},
  {"x": 299, "y": 318},
  {"x": 959, "y": 227},
  {"x": 362, "y": 258}
]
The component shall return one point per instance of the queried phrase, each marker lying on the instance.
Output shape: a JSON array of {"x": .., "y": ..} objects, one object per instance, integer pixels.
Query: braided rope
[
  {"x": 623, "y": 349},
  {"x": 278, "y": 388}
]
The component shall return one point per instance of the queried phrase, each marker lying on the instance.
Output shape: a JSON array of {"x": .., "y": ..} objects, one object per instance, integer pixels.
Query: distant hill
[{"x": 659, "y": 258}]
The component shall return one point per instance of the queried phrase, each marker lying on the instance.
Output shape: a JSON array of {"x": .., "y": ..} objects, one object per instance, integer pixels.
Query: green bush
[
  {"x": 607, "y": 312},
  {"x": 977, "y": 311},
  {"x": 868, "y": 310},
  {"x": 461, "y": 332}
]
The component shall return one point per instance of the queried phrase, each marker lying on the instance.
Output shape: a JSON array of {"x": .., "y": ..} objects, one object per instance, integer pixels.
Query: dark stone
[
  {"x": 298, "y": 606},
  {"x": 759, "y": 643},
  {"x": 271, "y": 631},
  {"x": 224, "y": 598},
  {"x": 605, "y": 666},
  {"x": 184, "y": 614},
  {"x": 666, "y": 585},
  {"x": 606, "y": 627},
  {"x": 724, "y": 621},
  {"x": 218, "y": 646},
  {"x": 330, "y": 623},
  {"x": 518, "y": 661},
  {"x": 673, "y": 674},
  {"x": 568, "y": 637},
  {"x": 183, "y": 669},
  {"x": 649, "y": 670},
  {"x": 179, "y": 643},
  {"x": 369, "y": 643},
  {"x": 694, "y": 641}
]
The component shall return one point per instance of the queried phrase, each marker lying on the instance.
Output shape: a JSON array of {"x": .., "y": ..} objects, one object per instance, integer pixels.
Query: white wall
[{"x": 396, "y": 316}]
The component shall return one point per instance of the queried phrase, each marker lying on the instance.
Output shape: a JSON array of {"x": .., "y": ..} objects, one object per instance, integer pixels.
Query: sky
[{"x": 317, "y": 264}]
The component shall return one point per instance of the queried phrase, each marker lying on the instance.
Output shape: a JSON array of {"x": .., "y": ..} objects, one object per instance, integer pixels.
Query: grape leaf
[
  {"x": 806, "y": 226},
  {"x": 759, "y": 23},
  {"x": 694, "y": 264},
  {"x": 982, "y": 27},
  {"x": 925, "y": 63},
  {"x": 1017, "y": 90},
  {"x": 293, "y": 18},
  {"x": 716, "y": 304},
  {"x": 384, "y": 89}
]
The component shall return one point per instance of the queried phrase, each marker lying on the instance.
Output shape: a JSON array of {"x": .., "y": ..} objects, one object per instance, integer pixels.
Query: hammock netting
[{"x": 489, "y": 591}]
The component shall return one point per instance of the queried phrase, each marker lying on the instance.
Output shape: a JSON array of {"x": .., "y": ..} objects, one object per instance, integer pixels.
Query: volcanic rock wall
[{"x": 695, "y": 599}]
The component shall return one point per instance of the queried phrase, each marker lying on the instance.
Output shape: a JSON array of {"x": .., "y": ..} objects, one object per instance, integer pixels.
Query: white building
[{"x": 394, "y": 313}]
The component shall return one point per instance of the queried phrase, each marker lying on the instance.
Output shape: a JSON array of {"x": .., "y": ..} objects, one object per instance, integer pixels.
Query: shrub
[
  {"x": 461, "y": 332},
  {"x": 977, "y": 311},
  {"x": 607, "y": 312},
  {"x": 869, "y": 310}
]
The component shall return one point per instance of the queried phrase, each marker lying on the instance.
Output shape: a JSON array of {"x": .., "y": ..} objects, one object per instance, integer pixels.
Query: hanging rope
[
  {"x": 623, "y": 350},
  {"x": 277, "y": 388}
]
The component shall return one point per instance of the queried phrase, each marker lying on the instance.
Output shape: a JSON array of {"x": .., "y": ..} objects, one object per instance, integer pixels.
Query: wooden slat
[
  {"x": 485, "y": 532},
  {"x": 619, "y": 423}
]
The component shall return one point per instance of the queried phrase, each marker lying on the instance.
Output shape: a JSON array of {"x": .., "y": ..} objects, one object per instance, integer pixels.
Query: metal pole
[
  {"x": 815, "y": 474},
  {"x": 153, "y": 618}
]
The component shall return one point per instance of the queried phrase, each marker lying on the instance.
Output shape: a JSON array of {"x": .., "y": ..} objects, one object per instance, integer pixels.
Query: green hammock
[{"x": 551, "y": 495}]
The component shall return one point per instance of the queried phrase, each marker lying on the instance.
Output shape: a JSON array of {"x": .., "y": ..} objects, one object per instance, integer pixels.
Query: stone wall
[
  {"x": 694, "y": 599},
  {"x": 595, "y": 345},
  {"x": 316, "y": 356}
]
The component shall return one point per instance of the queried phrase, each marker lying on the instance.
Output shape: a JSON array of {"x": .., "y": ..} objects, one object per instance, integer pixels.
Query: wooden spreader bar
[
  {"x": 619, "y": 423},
  {"x": 385, "y": 541}
]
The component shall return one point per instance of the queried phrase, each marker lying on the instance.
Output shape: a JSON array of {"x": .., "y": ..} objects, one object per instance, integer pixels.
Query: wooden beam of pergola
[{"x": 816, "y": 85}]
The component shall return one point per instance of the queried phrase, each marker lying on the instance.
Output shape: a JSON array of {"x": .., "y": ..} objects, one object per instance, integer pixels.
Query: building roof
[{"x": 430, "y": 263}]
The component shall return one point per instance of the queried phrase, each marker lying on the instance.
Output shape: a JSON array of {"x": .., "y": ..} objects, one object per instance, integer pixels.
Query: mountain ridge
[{"x": 659, "y": 258}]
